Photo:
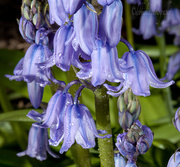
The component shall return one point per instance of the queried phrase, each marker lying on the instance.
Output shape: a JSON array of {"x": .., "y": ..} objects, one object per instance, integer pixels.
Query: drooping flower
[
  {"x": 105, "y": 65},
  {"x": 27, "y": 30},
  {"x": 85, "y": 28},
  {"x": 38, "y": 144},
  {"x": 119, "y": 160},
  {"x": 79, "y": 126},
  {"x": 173, "y": 65},
  {"x": 155, "y": 6},
  {"x": 147, "y": 26},
  {"x": 174, "y": 160},
  {"x": 57, "y": 13},
  {"x": 54, "y": 116},
  {"x": 176, "y": 120},
  {"x": 172, "y": 19},
  {"x": 28, "y": 70},
  {"x": 140, "y": 77},
  {"x": 111, "y": 15}
]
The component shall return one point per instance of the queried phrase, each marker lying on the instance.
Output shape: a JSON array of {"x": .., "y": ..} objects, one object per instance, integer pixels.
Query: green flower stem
[
  {"x": 128, "y": 20},
  {"x": 81, "y": 156},
  {"x": 163, "y": 69},
  {"x": 103, "y": 123},
  {"x": 17, "y": 128}
]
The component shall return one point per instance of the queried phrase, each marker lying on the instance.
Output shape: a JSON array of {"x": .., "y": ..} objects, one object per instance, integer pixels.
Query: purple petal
[
  {"x": 57, "y": 12},
  {"x": 35, "y": 115},
  {"x": 35, "y": 92},
  {"x": 155, "y": 6},
  {"x": 72, "y": 6},
  {"x": 111, "y": 15},
  {"x": 105, "y": 2},
  {"x": 85, "y": 21}
]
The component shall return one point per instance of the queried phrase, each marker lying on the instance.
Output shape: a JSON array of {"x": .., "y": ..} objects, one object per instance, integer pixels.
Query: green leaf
[{"x": 17, "y": 115}]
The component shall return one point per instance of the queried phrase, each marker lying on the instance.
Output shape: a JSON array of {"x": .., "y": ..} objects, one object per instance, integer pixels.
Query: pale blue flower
[{"x": 174, "y": 160}]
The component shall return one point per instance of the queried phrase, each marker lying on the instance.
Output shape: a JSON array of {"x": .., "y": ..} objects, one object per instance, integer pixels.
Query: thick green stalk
[
  {"x": 81, "y": 156},
  {"x": 103, "y": 123},
  {"x": 128, "y": 20},
  {"x": 163, "y": 69}
]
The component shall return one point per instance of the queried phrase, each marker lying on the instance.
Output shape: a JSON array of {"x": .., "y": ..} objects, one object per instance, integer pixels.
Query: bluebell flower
[
  {"x": 111, "y": 15},
  {"x": 176, "y": 120},
  {"x": 140, "y": 77},
  {"x": 28, "y": 70},
  {"x": 174, "y": 160},
  {"x": 38, "y": 144},
  {"x": 173, "y": 65},
  {"x": 27, "y": 30},
  {"x": 105, "y": 65},
  {"x": 85, "y": 28},
  {"x": 72, "y": 6},
  {"x": 54, "y": 115},
  {"x": 57, "y": 12},
  {"x": 172, "y": 18},
  {"x": 79, "y": 126},
  {"x": 147, "y": 26},
  {"x": 155, "y": 5},
  {"x": 134, "y": 2}
]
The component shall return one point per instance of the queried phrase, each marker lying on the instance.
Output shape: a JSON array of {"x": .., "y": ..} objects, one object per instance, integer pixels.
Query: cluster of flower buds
[
  {"x": 137, "y": 140},
  {"x": 129, "y": 109}
]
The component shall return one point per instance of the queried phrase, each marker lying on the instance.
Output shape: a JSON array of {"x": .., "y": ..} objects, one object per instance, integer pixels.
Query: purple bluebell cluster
[{"x": 71, "y": 33}]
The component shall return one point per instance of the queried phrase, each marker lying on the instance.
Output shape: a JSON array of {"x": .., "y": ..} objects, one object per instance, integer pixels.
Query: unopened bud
[{"x": 176, "y": 120}]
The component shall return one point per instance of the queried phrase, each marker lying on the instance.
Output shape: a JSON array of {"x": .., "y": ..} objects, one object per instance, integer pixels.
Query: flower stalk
[{"x": 103, "y": 123}]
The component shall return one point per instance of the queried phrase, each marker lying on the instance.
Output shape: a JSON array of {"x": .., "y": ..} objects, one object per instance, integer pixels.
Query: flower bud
[
  {"x": 129, "y": 109},
  {"x": 174, "y": 160},
  {"x": 26, "y": 12}
]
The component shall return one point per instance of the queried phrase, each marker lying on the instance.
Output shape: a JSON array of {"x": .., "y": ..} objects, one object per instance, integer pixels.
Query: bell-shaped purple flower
[
  {"x": 111, "y": 15},
  {"x": 105, "y": 2},
  {"x": 105, "y": 65},
  {"x": 134, "y": 2},
  {"x": 174, "y": 160},
  {"x": 38, "y": 144},
  {"x": 155, "y": 6},
  {"x": 54, "y": 116},
  {"x": 79, "y": 126},
  {"x": 27, "y": 30},
  {"x": 57, "y": 13},
  {"x": 140, "y": 77},
  {"x": 173, "y": 65},
  {"x": 176, "y": 120},
  {"x": 72, "y": 6},
  {"x": 147, "y": 26},
  {"x": 85, "y": 27},
  {"x": 172, "y": 18}
]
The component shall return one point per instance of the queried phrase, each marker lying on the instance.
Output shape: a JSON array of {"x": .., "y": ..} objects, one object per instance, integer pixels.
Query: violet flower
[
  {"x": 28, "y": 70},
  {"x": 155, "y": 5},
  {"x": 173, "y": 65},
  {"x": 174, "y": 160},
  {"x": 147, "y": 26},
  {"x": 105, "y": 65},
  {"x": 27, "y": 30},
  {"x": 140, "y": 77},
  {"x": 111, "y": 15},
  {"x": 79, "y": 126},
  {"x": 172, "y": 19},
  {"x": 38, "y": 144},
  {"x": 85, "y": 28},
  {"x": 57, "y": 12}
]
